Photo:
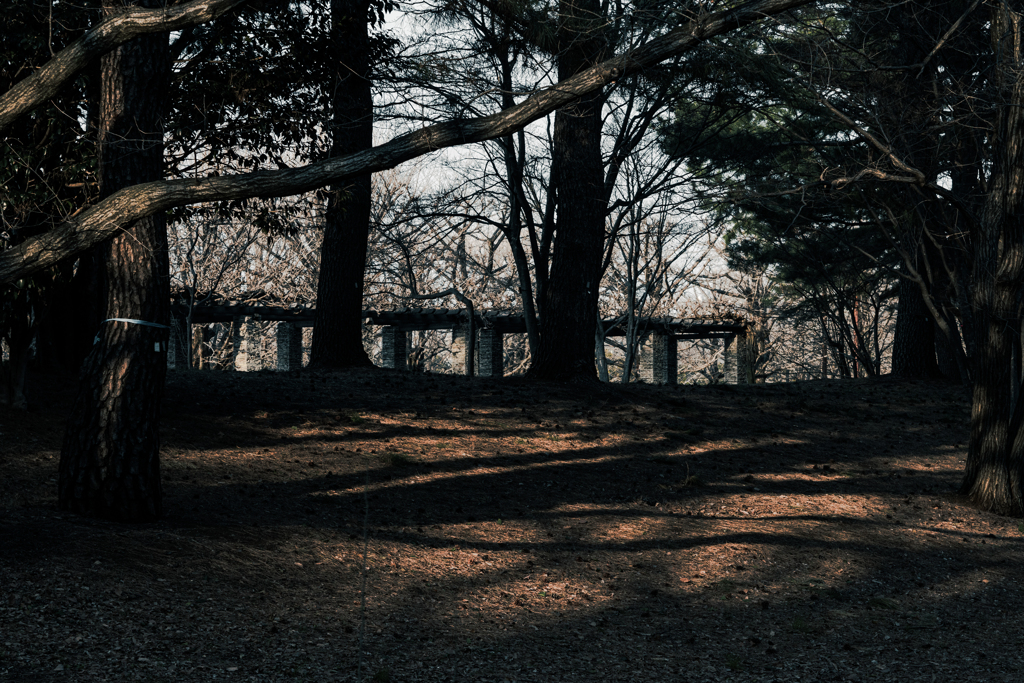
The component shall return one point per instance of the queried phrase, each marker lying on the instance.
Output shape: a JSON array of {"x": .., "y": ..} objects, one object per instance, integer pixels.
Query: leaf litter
[{"x": 374, "y": 525}]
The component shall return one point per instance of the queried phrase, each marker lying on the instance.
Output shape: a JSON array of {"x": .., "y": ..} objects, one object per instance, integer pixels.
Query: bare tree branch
[
  {"x": 132, "y": 203},
  {"x": 876, "y": 143},
  {"x": 115, "y": 30}
]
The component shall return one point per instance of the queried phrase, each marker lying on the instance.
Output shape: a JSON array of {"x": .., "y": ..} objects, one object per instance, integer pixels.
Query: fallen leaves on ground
[{"x": 375, "y": 525}]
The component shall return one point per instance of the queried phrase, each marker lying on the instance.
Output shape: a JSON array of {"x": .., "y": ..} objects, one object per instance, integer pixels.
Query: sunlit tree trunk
[
  {"x": 109, "y": 464},
  {"x": 337, "y": 327}
]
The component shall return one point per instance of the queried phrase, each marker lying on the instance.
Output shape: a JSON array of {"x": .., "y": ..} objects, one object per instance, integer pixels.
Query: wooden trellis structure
[{"x": 658, "y": 361}]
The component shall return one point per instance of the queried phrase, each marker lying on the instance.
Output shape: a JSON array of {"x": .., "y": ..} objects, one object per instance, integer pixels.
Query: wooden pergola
[{"x": 658, "y": 362}]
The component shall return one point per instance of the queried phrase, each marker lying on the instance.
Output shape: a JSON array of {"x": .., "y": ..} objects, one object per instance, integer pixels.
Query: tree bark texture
[
  {"x": 109, "y": 464},
  {"x": 566, "y": 349},
  {"x": 122, "y": 208},
  {"x": 337, "y": 327},
  {"x": 994, "y": 475}
]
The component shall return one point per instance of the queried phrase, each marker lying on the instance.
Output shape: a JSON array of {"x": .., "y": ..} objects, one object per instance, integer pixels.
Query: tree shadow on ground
[{"x": 819, "y": 540}]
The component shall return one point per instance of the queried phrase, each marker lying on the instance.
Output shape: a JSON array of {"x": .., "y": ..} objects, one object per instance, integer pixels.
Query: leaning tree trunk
[
  {"x": 337, "y": 325},
  {"x": 994, "y": 476},
  {"x": 566, "y": 350},
  {"x": 109, "y": 463}
]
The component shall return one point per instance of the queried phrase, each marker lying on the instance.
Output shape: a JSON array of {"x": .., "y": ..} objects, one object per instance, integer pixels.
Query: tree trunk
[
  {"x": 338, "y": 325},
  {"x": 947, "y": 356},
  {"x": 109, "y": 463},
  {"x": 913, "y": 346},
  {"x": 18, "y": 335},
  {"x": 602, "y": 358},
  {"x": 570, "y": 300},
  {"x": 73, "y": 312},
  {"x": 994, "y": 474},
  {"x": 108, "y": 217},
  {"x": 909, "y": 112},
  {"x": 74, "y": 305},
  {"x": 518, "y": 206}
]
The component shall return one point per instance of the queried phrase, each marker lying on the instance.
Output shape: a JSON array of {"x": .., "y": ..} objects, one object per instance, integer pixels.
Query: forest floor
[{"x": 383, "y": 526}]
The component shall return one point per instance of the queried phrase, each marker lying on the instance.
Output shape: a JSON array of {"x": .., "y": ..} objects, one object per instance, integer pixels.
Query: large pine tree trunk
[
  {"x": 994, "y": 476},
  {"x": 566, "y": 350},
  {"x": 109, "y": 462},
  {"x": 337, "y": 326}
]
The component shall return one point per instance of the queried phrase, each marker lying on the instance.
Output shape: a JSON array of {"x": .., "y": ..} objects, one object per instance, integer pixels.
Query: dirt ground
[{"x": 383, "y": 526}]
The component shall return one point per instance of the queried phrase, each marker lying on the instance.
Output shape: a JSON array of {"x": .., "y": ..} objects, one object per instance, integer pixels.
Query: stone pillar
[
  {"x": 289, "y": 346},
  {"x": 395, "y": 347},
  {"x": 736, "y": 361},
  {"x": 490, "y": 353},
  {"x": 658, "y": 360},
  {"x": 180, "y": 344},
  {"x": 460, "y": 340},
  {"x": 245, "y": 344},
  {"x": 746, "y": 360}
]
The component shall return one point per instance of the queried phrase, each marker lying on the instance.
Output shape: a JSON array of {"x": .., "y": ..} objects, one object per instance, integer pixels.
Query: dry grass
[{"x": 517, "y": 533}]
